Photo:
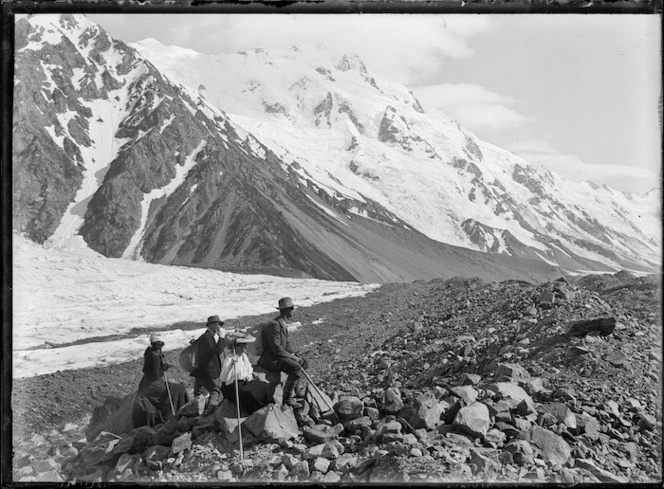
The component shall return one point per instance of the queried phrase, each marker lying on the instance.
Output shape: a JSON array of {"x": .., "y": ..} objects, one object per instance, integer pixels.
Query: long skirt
[
  {"x": 253, "y": 394},
  {"x": 153, "y": 406}
]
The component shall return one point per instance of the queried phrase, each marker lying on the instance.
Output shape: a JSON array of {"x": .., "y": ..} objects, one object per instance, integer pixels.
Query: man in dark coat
[
  {"x": 278, "y": 355},
  {"x": 210, "y": 346}
]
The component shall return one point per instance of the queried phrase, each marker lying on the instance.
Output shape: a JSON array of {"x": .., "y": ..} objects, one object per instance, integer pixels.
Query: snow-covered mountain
[
  {"x": 284, "y": 163},
  {"x": 355, "y": 133}
]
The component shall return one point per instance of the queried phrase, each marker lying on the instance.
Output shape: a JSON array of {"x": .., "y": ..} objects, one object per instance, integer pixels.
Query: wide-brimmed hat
[
  {"x": 285, "y": 303},
  {"x": 156, "y": 338},
  {"x": 214, "y": 319},
  {"x": 239, "y": 337}
]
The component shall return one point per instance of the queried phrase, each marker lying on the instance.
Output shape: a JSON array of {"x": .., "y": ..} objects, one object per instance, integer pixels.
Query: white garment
[{"x": 243, "y": 366}]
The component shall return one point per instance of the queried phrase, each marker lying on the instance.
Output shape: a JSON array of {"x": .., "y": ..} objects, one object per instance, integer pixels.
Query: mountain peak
[{"x": 351, "y": 62}]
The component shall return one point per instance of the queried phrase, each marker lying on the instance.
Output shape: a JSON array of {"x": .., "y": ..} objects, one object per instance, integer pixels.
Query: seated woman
[
  {"x": 153, "y": 402},
  {"x": 253, "y": 393}
]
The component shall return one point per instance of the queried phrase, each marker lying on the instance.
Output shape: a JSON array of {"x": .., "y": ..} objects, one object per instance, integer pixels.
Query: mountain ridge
[{"x": 143, "y": 166}]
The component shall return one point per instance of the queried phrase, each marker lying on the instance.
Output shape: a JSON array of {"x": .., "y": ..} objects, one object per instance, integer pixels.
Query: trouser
[
  {"x": 295, "y": 371},
  {"x": 213, "y": 386}
]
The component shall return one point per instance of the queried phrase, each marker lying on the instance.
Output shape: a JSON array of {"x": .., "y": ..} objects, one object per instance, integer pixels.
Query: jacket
[
  {"x": 208, "y": 356},
  {"x": 153, "y": 367},
  {"x": 276, "y": 344}
]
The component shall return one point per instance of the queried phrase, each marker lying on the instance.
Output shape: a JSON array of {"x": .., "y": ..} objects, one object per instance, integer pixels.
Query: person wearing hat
[
  {"x": 153, "y": 401},
  {"x": 253, "y": 394},
  {"x": 278, "y": 355},
  {"x": 206, "y": 375}
]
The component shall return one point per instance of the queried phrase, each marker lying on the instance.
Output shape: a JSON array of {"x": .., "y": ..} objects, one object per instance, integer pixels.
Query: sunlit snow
[{"x": 62, "y": 296}]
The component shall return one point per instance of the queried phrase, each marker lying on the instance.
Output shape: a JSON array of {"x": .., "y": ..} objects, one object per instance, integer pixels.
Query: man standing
[
  {"x": 210, "y": 346},
  {"x": 278, "y": 354}
]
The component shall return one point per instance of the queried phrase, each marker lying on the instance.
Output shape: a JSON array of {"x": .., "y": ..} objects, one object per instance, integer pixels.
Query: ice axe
[
  {"x": 168, "y": 390},
  {"x": 237, "y": 401}
]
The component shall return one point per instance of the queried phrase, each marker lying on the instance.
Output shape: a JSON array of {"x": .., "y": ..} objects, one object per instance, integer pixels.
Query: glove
[{"x": 166, "y": 366}]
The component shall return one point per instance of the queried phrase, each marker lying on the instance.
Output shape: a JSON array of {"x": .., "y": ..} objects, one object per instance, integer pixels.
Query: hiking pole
[
  {"x": 321, "y": 394},
  {"x": 168, "y": 389},
  {"x": 237, "y": 402}
]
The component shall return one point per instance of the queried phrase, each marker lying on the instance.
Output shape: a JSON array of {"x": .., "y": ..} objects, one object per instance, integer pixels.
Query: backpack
[
  {"x": 255, "y": 349},
  {"x": 189, "y": 357}
]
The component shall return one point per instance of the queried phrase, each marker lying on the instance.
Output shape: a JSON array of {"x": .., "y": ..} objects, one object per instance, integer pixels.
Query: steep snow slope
[
  {"x": 163, "y": 175},
  {"x": 361, "y": 136}
]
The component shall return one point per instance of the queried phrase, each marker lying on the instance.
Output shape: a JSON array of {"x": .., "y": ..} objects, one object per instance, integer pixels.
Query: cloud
[
  {"x": 472, "y": 105},
  {"x": 399, "y": 47},
  {"x": 624, "y": 177}
]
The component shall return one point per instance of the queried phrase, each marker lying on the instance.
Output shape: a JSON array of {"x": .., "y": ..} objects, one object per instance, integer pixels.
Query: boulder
[
  {"x": 553, "y": 447},
  {"x": 616, "y": 358},
  {"x": 495, "y": 437},
  {"x": 331, "y": 477},
  {"x": 391, "y": 402},
  {"x": 349, "y": 407},
  {"x": 181, "y": 443},
  {"x": 521, "y": 451},
  {"x": 314, "y": 435},
  {"x": 226, "y": 418},
  {"x": 116, "y": 415},
  {"x": 386, "y": 426},
  {"x": 589, "y": 426},
  {"x": 355, "y": 425},
  {"x": 373, "y": 413},
  {"x": 546, "y": 299},
  {"x": 581, "y": 327},
  {"x": 511, "y": 372},
  {"x": 46, "y": 465},
  {"x": 532, "y": 385},
  {"x": 562, "y": 413},
  {"x": 331, "y": 450},
  {"x": 124, "y": 462},
  {"x": 21, "y": 461},
  {"x": 483, "y": 462},
  {"x": 49, "y": 476},
  {"x": 473, "y": 420},
  {"x": 647, "y": 422},
  {"x": 612, "y": 407},
  {"x": 125, "y": 445},
  {"x": 289, "y": 460},
  {"x": 155, "y": 456},
  {"x": 345, "y": 463},
  {"x": 300, "y": 470},
  {"x": 470, "y": 379},
  {"x": 271, "y": 423},
  {"x": 321, "y": 465},
  {"x": 423, "y": 412},
  {"x": 465, "y": 392},
  {"x": 23, "y": 472},
  {"x": 509, "y": 390},
  {"x": 601, "y": 474}
]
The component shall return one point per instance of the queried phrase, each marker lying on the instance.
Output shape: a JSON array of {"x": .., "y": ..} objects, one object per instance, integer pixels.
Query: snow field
[{"x": 61, "y": 296}]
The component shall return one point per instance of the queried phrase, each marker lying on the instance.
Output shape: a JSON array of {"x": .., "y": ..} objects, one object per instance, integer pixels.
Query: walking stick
[
  {"x": 237, "y": 403},
  {"x": 168, "y": 389},
  {"x": 320, "y": 393}
]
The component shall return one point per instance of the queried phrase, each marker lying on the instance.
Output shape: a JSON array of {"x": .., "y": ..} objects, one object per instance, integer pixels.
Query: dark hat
[
  {"x": 214, "y": 319},
  {"x": 285, "y": 303},
  {"x": 239, "y": 337}
]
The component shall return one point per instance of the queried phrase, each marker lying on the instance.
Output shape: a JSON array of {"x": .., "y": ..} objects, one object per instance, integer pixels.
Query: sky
[{"x": 575, "y": 93}]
